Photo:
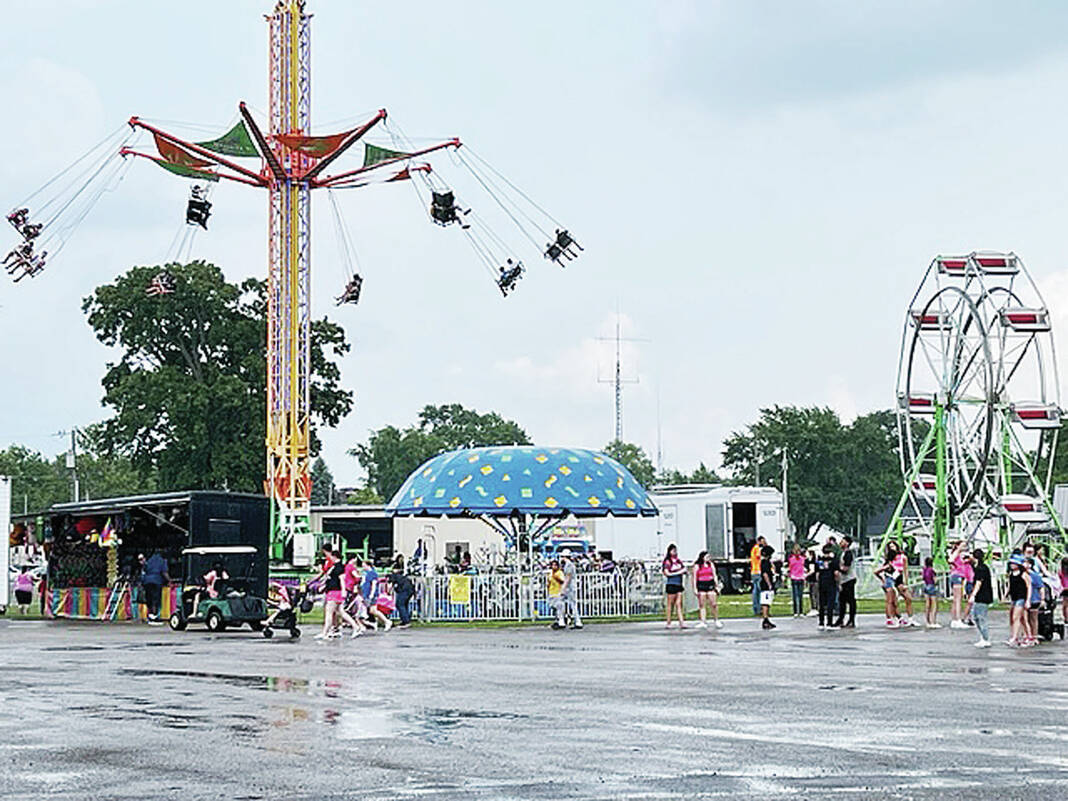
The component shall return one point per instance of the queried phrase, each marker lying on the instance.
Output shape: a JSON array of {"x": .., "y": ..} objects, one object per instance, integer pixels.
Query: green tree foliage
[
  {"x": 633, "y": 458},
  {"x": 189, "y": 389},
  {"x": 36, "y": 483},
  {"x": 391, "y": 454},
  {"x": 836, "y": 472},
  {"x": 702, "y": 475},
  {"x": 322, "y": 492},
  {"x": 364, "y": 496}
]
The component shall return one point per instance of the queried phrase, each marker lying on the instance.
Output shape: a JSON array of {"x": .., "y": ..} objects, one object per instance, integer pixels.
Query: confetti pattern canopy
[{"x": 524, "y": 480}]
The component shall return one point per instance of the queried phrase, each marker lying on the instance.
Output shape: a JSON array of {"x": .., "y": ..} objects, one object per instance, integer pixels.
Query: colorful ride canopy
[{"x": 503, "y": 481}]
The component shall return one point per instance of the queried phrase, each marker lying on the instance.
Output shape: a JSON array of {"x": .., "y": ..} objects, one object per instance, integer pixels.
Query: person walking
[
  {"x": 568, "y": 592},
  {"x": 706, "y": 584},
  {"x": 847, "y": 585},
  {"x": 797, "y": 569},
  {"x": 554, "y": 583},
  {"x": 673, "y": 570},
  {"x": 767, "y": 586},
  {"x": 153, "y": 578},
  {"x": 827, "y": 572},
  {"x": 755, "y": 555},
  {"x": 981, "y": 597}
]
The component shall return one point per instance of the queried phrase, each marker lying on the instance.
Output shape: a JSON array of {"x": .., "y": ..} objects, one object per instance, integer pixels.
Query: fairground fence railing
[
  {"x": 635, "y": 590},
  {"x": 515, "y": 596}
]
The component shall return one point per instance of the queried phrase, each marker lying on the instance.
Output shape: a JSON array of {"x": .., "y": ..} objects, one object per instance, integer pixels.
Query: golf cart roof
[{"x": 203, "y": 550}]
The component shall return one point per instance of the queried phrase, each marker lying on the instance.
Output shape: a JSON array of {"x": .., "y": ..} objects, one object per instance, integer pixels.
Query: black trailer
[{"x": 94, "y": 550}]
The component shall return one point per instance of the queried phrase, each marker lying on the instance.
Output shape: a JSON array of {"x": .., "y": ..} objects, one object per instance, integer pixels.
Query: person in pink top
[
  {"x": 706, "y": 583},
  {"x": 956, "y": 583},
  {"x": 798, "y": 571},
  {"x": 901, "y": 584},
  {"x": 1063, "y": 576},
  {"x": 24, "y": 590}
]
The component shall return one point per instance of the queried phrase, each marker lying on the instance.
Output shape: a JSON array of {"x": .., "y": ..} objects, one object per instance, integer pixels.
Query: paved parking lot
[{"x": 614, "y": 711}]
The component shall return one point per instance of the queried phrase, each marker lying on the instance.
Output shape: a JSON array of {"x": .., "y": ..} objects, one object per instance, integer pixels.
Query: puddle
[{"x": 260, "y": 682}]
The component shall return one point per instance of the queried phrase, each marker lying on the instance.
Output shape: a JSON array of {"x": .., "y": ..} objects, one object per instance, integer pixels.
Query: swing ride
[
  {"x": 978, "y": 407},
  {"x": 288, "y": 161}
]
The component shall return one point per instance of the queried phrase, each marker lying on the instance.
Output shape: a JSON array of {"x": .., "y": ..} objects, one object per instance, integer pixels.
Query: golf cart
[{"x": 233, "y": 604}]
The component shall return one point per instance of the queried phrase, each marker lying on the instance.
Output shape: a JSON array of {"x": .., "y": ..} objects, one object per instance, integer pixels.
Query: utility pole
[
  {"x": 785, "y": 495},
  {"x": 72, "y": 465},
  {"x": 618, "y": 380}
]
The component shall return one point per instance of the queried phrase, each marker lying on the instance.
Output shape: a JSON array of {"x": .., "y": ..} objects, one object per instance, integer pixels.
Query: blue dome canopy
[{"x": 502, "y": 480}]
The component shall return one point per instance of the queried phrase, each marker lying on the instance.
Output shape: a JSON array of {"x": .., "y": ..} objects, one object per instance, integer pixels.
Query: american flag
[{"x": 160, "y": 285}]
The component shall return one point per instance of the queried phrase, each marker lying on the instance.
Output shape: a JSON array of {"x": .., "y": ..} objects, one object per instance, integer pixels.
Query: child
[
  {"x": 930, "y": 594},
  {"x": 383, "y": 606}
]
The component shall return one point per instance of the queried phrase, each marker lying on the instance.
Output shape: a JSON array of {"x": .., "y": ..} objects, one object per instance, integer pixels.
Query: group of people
[
  {"x": 355, "y": 595},
  {"x": 973, "y": 590},
  {"x": 706, "y": 584},
  {"x": 831, "y": 573},
  {"x": 22, "y": 256}
]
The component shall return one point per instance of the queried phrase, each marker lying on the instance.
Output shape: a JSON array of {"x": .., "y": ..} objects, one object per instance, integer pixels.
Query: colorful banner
[{"x": 91, "y": 603}]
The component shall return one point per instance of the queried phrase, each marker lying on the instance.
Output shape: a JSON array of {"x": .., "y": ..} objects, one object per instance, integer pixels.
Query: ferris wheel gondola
[{"x": 978, "y": 402}]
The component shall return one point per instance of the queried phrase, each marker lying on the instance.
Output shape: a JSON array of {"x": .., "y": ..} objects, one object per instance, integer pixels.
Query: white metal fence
[{"x": 515, "y": 596}]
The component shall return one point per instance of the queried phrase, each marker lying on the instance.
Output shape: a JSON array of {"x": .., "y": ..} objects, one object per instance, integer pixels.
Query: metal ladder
[{"x": 118, "y": 590}]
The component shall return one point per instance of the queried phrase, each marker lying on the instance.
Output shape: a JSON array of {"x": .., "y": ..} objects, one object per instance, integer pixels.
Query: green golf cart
[{"x": 234, "y": 603}]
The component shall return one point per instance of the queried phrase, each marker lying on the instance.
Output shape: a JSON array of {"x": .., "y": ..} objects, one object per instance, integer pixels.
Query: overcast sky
[{"x": 758, "y": 186}]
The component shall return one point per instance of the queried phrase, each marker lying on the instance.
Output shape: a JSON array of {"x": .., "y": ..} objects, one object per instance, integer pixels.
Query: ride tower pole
[{"x": 288, "y": 284}]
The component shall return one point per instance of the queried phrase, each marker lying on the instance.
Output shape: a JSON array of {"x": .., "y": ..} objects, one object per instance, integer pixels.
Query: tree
[
  {"x": 36, "y": 483},
  {"x": 391, "y": 454},
  {"x": 836, "y": 472},
  {"x": 189, "y": 389},
  {"x": 364, "y": 496},
  {"x": 633, "y": 458},
  {"x": 702, "y": 475},
  {"x": 322, "y": 492}
]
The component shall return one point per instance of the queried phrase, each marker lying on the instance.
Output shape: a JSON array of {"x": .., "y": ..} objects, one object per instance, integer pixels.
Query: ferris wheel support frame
[{"x": 988, "y": 494}]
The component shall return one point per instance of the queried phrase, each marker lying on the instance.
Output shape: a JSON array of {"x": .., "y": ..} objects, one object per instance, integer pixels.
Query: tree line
[{"x": 188, "y": 401}]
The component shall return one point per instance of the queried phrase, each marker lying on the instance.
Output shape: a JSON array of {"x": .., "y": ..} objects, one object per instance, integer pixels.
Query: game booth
[{"x": 96, "y": 546}]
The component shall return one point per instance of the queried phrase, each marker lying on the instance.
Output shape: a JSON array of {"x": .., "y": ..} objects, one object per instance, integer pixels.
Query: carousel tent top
[{"x": 505, "y": 480}]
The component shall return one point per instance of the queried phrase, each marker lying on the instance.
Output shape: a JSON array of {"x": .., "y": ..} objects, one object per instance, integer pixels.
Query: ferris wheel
[{"x": 978, "y": 403}]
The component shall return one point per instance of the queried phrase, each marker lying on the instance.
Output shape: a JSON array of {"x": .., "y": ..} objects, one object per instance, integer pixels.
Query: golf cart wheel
[
  {"x": 177, "y": 622},
  {"x": 255, "y": 625},
  {"x": 268, "y": 633},
  {"x": 214, "y": 621},
  {"x": 294, "y": 633}
]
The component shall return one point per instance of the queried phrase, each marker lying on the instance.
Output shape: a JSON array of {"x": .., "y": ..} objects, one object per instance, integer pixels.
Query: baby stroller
[
  {"x": 285, "y": 604},
  {"x": 1046, "y": 627}
]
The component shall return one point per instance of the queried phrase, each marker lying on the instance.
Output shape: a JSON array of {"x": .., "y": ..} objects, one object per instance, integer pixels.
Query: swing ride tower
[
  {"x": 288, "y": 278},
  {"x": 288, "y": 161}
]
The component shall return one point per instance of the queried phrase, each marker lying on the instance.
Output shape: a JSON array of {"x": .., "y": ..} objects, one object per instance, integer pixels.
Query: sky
[{"x": 758, "y": 187}]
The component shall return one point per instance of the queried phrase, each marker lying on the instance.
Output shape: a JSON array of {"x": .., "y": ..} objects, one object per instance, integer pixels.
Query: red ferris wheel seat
[{"x": 1025, "y": 320}]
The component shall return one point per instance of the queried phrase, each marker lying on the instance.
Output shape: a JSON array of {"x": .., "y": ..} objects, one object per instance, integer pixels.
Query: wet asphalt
[{"x": 93, "y": 711}]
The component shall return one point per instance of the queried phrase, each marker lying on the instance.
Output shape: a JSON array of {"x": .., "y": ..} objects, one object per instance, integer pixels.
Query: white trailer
[{"x": 702, "y": 517}]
